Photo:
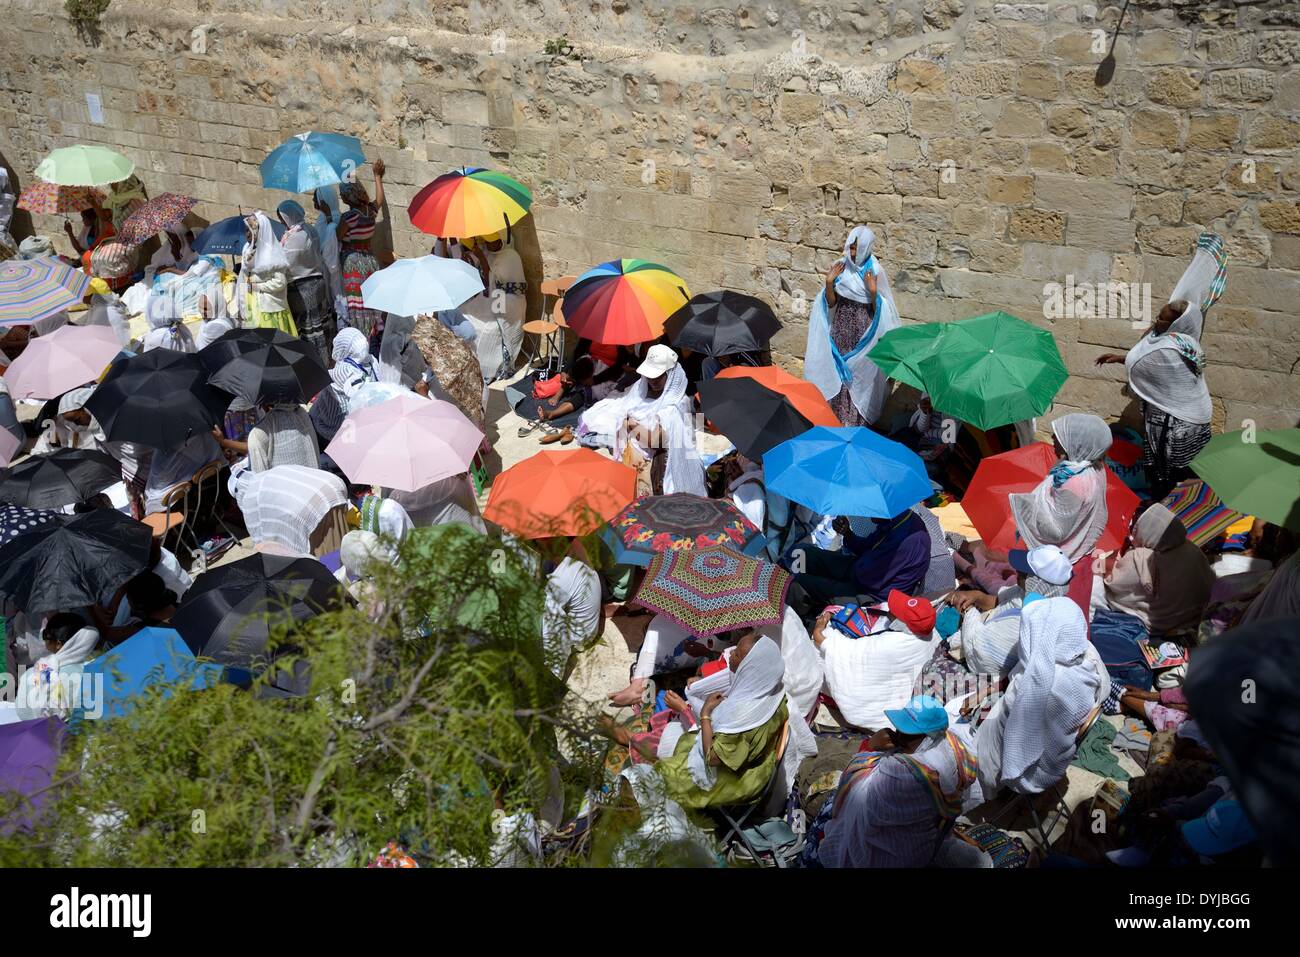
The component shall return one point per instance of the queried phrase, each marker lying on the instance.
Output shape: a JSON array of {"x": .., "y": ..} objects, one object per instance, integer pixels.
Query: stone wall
[{"x": 738, "y": 144}]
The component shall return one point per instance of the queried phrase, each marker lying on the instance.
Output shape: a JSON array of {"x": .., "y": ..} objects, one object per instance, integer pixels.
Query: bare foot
[
  {"x": 630, "y": 696},
  {"x": 616, "y": 732}
]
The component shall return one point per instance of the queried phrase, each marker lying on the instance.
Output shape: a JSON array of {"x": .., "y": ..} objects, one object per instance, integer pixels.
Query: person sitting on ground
[
  {"x": 284, "y": 435},
  {"x": 746, "y": 490},
  {"x": 867, "y": 676},
  {"x": 897, "y": 797},
  {"x": 990, "y": 627},
  {"x": 69, "y": 641},
  {"x": 72, "y": 427},
  {"x": 881, "y": 555},
  {"x": 557, "y": 413},
  {"x": 573, "y": 614},
  {"x": 1160, "y": 578}
]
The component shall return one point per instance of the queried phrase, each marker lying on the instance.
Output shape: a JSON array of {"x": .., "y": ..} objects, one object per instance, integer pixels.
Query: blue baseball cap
[
  {"x": 924, "y": 714},
  {"x": 1223, "y": 828}
]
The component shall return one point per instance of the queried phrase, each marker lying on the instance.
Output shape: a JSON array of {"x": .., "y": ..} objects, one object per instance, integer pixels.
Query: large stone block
[
  {"x": 1174, "y": 86},
  {"x": 1036, "y": 225},
  {"x": 1076, "y": 194}
]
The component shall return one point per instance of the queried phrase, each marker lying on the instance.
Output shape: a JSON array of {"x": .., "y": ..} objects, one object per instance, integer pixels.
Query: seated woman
[
  {"x": 69, "y": 641},
  {"x": 889, "y": 554},
  {"x": 973, "y": 445},
  {"x": 291, "y": 510},
  {"x": 353, "y": 367},
  {"x": 171, "y": 468},
  {"x": 72, "y": 427},
  {"x": 732, "y": 757},
  {"x": 1160, "y": 578},
  {"x": 896, "y": 797},
  {"x": 573, "y": 614},
  {"x": 558, "y": 413}
]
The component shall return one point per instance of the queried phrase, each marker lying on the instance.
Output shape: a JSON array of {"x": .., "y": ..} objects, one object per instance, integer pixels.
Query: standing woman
[
  {"x": 850, "y": 315},
  {"x": 309, "y": 298},
  {"x": 356, "y": 227},
  {"x": 1166, "y": 370},
  {"x": 264, "y": 279}
]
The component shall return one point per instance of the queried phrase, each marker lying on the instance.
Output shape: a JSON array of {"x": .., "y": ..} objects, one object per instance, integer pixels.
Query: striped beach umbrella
[
  {"x": 470, "y": 202},
  {"x": 32, "y": 289},
  {"x": 84, "y": 166},
  {"x": 1202, "y": 512},
  {"x": 624, "y": 302},
  {"x": 51, "y": 199}
]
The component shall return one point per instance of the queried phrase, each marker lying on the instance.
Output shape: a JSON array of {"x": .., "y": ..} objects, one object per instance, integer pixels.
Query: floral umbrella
[
  {"x": 50, "y": 199},
  {"x": 678, "y": 522},
  {"x": 164, "y": 211}
]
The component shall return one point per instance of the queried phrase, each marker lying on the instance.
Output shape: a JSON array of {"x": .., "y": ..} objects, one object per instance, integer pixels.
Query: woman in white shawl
[
  {"x": 1166, "y": 370},
  {"x": 848, "y": 317},
  {"x": 497, "y": 313},
  {"x": 653, "y": 421},
  {"x": 400, "y": 359},
  {"x": 263, "y": 288},
  {"x": 48, "y": 687},
  {"x": 1068, "y": 508},
  {"x": 106, "y": 309},
  {"x": 1029, "y": 737},
  {"x": 73, "y": 427},
  {"x": 353, "y": 367},
  {"x": 167, "y": 329}
]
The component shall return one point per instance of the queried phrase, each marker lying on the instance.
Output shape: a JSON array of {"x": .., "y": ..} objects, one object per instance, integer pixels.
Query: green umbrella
[
  {"x": 84, "y": 166},
  {"x": 1256, "y": 474},
  {"x": 992, "y": 370},
  {"x": 900, "y": 350}
]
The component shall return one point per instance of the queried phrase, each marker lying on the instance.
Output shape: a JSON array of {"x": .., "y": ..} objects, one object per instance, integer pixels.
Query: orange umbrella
[
  {"x": 569, "y": 492},
  {"x": 803, "y": 395}
]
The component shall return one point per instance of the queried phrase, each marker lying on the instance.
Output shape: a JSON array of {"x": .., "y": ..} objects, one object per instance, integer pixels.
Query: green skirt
[{"x": 747, "y": 762}]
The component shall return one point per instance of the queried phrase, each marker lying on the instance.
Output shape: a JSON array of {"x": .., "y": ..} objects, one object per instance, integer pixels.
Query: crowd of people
[{"x": 952, "y": 679}]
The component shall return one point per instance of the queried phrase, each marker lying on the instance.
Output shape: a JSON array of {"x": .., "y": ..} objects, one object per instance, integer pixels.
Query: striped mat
[{"x": 1200, "y": 510}]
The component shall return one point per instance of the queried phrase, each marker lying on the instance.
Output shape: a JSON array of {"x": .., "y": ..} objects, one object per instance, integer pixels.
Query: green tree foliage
[{"x": 429, "y": 708}]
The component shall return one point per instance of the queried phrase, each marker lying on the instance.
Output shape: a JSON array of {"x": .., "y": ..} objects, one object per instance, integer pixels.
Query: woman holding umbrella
[
  {"x": 264, "y": 279},
  {"x": 355, "y": 229},
  {"x": 73, "y": 427}
]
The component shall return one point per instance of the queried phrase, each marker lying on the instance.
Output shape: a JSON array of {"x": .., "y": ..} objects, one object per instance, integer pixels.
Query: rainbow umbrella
[
  {"x": 84, "y": 166},
  {"x": 32, "y": 289},
  {"x": 164, "y": 211},
  {"x": 51, "y": 199},
  {"x": 624, "y": 302},
  {"x": 1202, "y": 512},
  {"x": 470, "y": 202}
]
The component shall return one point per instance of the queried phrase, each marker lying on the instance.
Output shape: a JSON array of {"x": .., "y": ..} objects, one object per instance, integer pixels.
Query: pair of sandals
[{"x": 549, "y": 432}]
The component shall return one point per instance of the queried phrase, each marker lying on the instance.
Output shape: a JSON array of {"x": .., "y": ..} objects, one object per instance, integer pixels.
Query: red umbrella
[{"x": 1020, "y": 470}]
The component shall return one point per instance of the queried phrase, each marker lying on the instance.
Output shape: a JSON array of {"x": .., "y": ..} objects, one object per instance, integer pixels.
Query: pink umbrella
[
  {"x": 9, "y": 444},
  {"x": 405, "y": 443},
  {"x": 68, "y": 357}
]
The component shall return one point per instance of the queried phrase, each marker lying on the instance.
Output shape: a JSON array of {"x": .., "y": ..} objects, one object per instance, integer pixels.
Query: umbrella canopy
[
  {"x": 164, "y": 211},
  {"x": 1202, "y": 512},
  {"x": 231, "y": 611},
  {"x": 72, "y": 564},
  {"x": 1020, "y": 470},
  {"x": 847, "y": 471},
  {"x": 711, "y": 590},
  {"x": 264, "y": 366},
  {"x": 752, "y": 416},
  {"x": 29, "y": 754},
  {"x": 993, "y": 369},
  {"x": 900, "y": 351},
  {"x": 1260, "y": 477},
  {"x": 722, "y": 323},
  {"x": 560, "y": 492},
  {"x": 226, "y": 237},
  {"x": 421, "y": 286},
  {"x": 65, "y": 359},
  {"x": 58, "y": 478},
  {"x": 12, "y": 436},
  {"x": 17, "y": 520},
  {"x": 32, "y": 289},
  {"x": 405, "y": 443},
  {"x": 149, "y": 658},
  {"x": 623, "y": 302},
  {"x": 469, "y": 202},
  {"x": 84, "y": 166},
  {"x": 678, "y": 522},
  {"x": 802, "y": 394},
  {"x": 159, "y": 398},
  {"x": 307, "y": 161},
  {"x": 50, "y": 199}
]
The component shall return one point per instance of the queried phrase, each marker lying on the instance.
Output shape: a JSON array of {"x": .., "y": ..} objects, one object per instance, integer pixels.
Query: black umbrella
[
  {"x": 229, "y": 613},
  {"x": 62, "y": 477},
  {"x": 263, "y": 366},
  {"x": 159, "y": 398},
  {"x": 752, "y": 416},
  {"x": 722, "y": 323},
  {"x": 68, "y": 565}
]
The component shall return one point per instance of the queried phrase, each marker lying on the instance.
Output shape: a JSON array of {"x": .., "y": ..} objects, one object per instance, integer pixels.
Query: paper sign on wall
[{"x": 95, "y": 108}]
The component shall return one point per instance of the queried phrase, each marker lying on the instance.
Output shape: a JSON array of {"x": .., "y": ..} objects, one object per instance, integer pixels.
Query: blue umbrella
[
  {"x": 847, "y": 471},
  {"x": 227, "y": 237},
  {"x": 152, "y": 656},
  {"x": 308, "y": 161}
]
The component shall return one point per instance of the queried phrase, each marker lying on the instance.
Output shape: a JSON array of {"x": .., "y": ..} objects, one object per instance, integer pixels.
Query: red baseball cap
[{"x": 916, "y": 613}]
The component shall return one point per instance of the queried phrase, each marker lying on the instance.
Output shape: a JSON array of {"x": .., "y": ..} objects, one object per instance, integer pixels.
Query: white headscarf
[
  {"x": 47, "y": 692},
  {"x": 354, "y": 366},
  {"x": 1053, "y": 696},
  {"x": 399, "y": 360},
  {"x": 824, "y": 365},
  {"x": 261, "y": 256},
  {"x": 106, "y": 309},
  {"x": 757, "y": 690},
  {"x": 360, "y": 550},
  {"x": 1068, "y": 508}
]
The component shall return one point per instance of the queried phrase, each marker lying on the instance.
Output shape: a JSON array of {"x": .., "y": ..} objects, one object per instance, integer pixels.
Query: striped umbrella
[
  {"x": 50, "y": 199},
  {"x": 469, "y": 202},
  {"x": 1202, "y": 512},
  {"x": 623, "y": 302},
  {"x": 32, "y": 289},
  {"x": 84, "y": 166},
  {"x": 711, "y": 590},
  {"x": 164, "y": 211}
]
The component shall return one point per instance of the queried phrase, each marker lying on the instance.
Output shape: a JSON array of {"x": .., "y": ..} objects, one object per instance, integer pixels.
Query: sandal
[{"x": 528, "y": 427}]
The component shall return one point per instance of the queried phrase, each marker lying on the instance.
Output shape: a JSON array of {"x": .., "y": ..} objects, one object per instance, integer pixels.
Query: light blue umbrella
[
  {"x": 420, "y": 286},
  {"x": 152, "y": 656},
  {"x": 308, "y": 161},
  {"x": 847, "y": 471}
]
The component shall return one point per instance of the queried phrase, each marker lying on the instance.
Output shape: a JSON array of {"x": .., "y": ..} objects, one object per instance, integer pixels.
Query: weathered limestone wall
[{"x": 738, "y": 144}]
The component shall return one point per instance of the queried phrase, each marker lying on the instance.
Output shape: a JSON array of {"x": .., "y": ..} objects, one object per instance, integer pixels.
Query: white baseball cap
[
  {"x": 658, "y": 360},
  {"x": 1047, "y": 562}
]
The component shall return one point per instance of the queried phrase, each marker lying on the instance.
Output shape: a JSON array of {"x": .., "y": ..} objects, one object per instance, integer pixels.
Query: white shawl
[
  {"x": 1068, "y": 507},
  {"x": 755, "y": 693},
  {"x": 45, "y": 690},
  {"x": 284, "y": 505},
  {"x": 283, "y": 436},
  {"x": 824, "y": 365},
  {"x": 262, "y": 256}
]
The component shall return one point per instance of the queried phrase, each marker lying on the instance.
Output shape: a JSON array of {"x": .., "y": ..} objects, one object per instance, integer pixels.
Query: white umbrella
[{"x": 428, "y": 284}]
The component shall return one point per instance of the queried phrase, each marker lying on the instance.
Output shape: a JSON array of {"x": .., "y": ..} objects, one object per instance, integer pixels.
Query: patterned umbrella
[
  {"x": 623, "y": 302},
  {"x": 469, "y": 202},
  {"x": 18, "y": 520},
  {"x": 84, "y": 166},
  {"x": 1202, "y": 512},
  {"x": 678, "y": 522},
  {"x": 711, "y": 590},
  {"x": 307, "y": 161},
  {"x": 164, "y": 211},
  {"x": 50, "y": 199},
  {"x": 32, "y": 289}
]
